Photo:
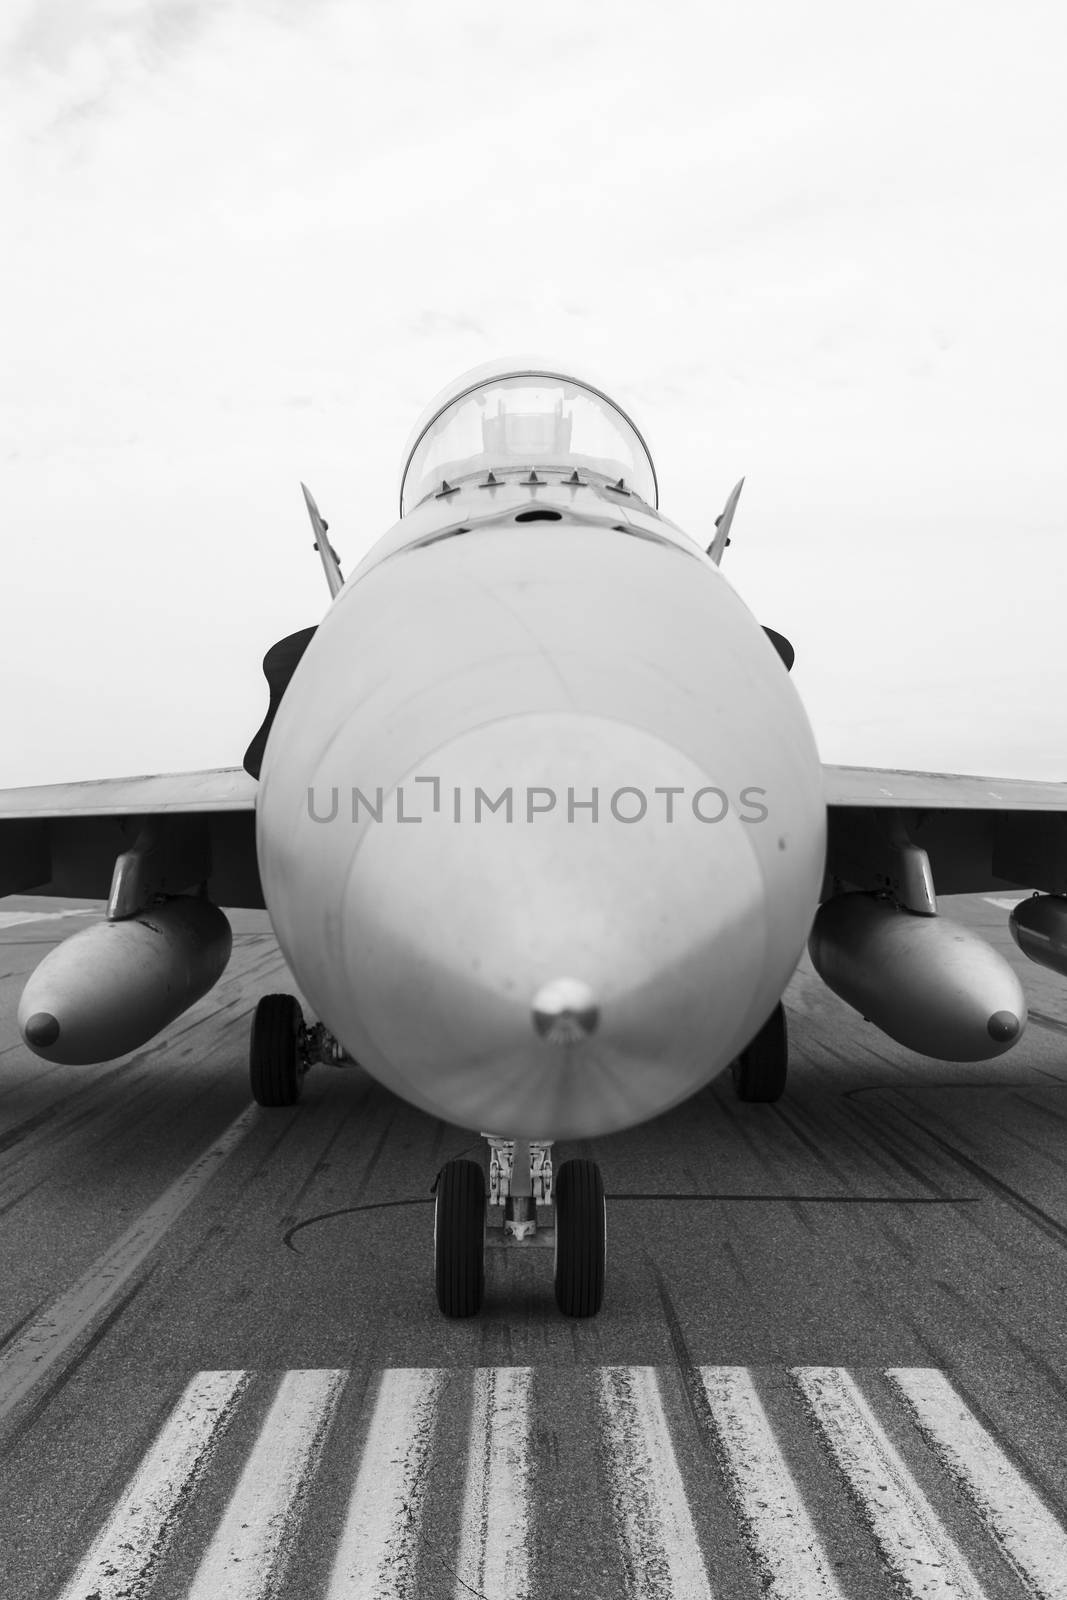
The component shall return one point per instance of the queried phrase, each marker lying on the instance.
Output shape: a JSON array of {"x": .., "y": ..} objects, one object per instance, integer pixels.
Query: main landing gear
[
  {"x": 520, "y": 1178},
  {"x": 283, "y": 1048},
  {"x": 760, "y": 1071}
]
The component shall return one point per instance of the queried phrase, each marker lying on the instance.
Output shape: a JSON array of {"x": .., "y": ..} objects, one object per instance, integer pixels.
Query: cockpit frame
[{"x": 499, "y": 373}]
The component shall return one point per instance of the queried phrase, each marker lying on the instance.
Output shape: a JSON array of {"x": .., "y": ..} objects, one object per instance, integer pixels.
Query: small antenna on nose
[
  {"x": 722, "y": 523},
  {"x": 331, "y": 564}
]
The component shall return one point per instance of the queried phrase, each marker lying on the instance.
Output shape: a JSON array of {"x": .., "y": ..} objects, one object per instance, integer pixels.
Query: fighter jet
[{"x": 542, "y": 831}]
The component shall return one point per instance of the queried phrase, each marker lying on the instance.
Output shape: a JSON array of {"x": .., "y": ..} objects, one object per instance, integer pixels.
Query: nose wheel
[
  {"x": 760, "y": 1072},
  {"x": 459, "y": 1238},
  {"x": 581, "y": 1239}
]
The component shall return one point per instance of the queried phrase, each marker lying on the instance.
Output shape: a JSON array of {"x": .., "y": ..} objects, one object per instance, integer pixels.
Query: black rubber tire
[
  {"x": 274, "y": 1064},
  {"x": 581, "y": 1238},
  {"x": 760, "y": 1072},
  {"x": 459, "y": 1238}
]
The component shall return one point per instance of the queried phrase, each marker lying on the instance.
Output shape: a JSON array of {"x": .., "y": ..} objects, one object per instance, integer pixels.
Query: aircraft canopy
[{"x": 529, "y": 420}]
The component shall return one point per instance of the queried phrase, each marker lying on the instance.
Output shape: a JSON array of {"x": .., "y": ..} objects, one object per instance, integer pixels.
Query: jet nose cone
[
  {"x": 565, "y": 1011},
  {"x": 569, "y": 963}
]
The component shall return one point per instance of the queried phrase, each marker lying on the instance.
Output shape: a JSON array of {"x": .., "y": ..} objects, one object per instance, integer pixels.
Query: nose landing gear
[
  {"x": 520, "y": 1179},
  {"x": 282, "y": 1050}
]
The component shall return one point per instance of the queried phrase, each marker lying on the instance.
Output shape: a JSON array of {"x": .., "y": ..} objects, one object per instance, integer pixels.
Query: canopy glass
[{"x": 530, "y": 420}]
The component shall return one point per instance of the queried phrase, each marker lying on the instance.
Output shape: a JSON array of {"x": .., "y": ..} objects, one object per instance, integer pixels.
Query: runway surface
[{"x": 832, "y": 1360}]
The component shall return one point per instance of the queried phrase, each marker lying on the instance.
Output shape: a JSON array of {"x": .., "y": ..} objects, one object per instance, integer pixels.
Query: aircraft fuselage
[{"x": 539, "y": 748}]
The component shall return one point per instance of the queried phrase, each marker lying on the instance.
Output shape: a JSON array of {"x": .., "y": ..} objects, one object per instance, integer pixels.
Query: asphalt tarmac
[{"x": 832, "y": 1359}]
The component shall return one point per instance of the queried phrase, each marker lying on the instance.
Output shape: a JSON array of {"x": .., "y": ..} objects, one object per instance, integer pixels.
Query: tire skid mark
[
  {"x": 696, "y": 1398},
  {"x": 16, "y": 1327},
  {"x": 859, "y": 1151},
  {"x": 794, "y": 1121},
  {"x": 43, "y": 1397},
  {"x": 890, "y": 1141},
  {"x": 107, "y": 1125},
  {"x": 23, "y": 1194},
  {"x": 65, "y": 1108},
  {"x": 1053, "y": 1024},
  {"x": 1046, "y": 1112},
  {"x": 320, "y": 1163},
  {"x": 57, "y": 1330},
  {"x": 107, "y": 1122},
  {"x": 1048, "y": 1225},
  {"x": 374, "y": 1158}
]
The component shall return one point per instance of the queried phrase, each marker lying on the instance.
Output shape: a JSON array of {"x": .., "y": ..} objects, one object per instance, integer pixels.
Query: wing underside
[
  {"x": 978, "y": 833},
  {"x": 191, "y": 829}
]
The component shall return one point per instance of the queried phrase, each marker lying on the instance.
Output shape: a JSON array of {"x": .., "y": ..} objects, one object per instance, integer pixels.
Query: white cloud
[{"x": 246, "y": 243}]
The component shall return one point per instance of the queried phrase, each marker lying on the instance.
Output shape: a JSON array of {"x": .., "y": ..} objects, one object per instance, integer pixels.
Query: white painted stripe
[
  {"x": 12, "y": 919},
  {"x": 663, "y": 1557},
  {"x": 494, "y": 1555},
  {"x": 122, "y": 1558},
  {"x": 377, "y": 1553},
  {"x": 247, "y": 1551},
  {"x": 1027, "y": 1532},
  {"x": 779, "y": 1532},
  {"x": 917, "y": 1547},
  {"x": 58, "y": 1328}
]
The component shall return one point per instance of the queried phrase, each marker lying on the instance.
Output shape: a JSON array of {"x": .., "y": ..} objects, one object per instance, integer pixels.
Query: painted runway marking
[
  {"x": 781, "y": 1535},
  {"x": 12, "y": 919},
  {"x": 49, "y": 1337},
  {"x": 663, "y": 1556},
  {"x": 265, "y": 1510},
  {"x": 121, "y": 1560},
  {"x": 494, "y": 1554},
  {"x": 1024, "y": 1528},
  {"x": 157, "y": 1528},
  {"x": 377, "y": 1553},
  {"x": 915, "y": 1544}
]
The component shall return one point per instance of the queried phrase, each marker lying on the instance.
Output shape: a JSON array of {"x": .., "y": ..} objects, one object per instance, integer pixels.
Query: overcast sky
[{"x": 244, "y": 241}]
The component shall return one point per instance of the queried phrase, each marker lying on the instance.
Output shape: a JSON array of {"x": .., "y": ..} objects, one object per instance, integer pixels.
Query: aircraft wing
[
  {"x": 190, "y": 827},
  {"x": 978, "y": 833}
]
